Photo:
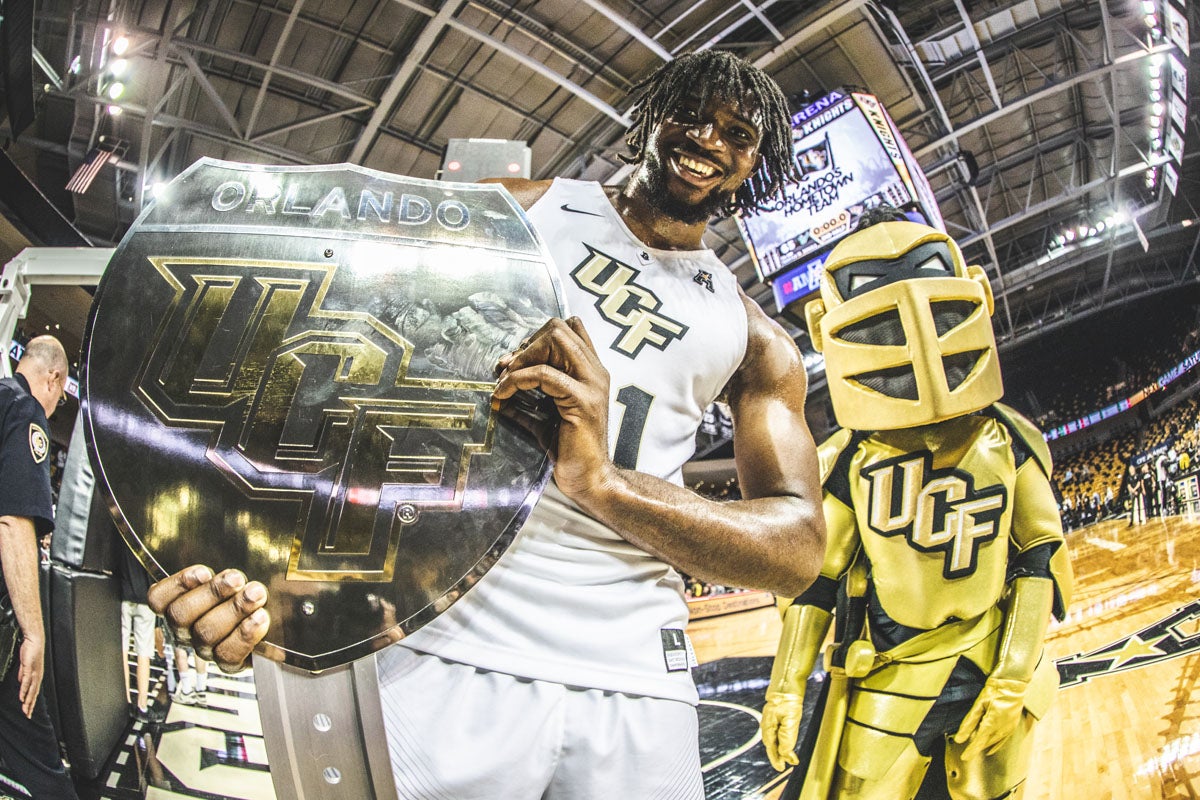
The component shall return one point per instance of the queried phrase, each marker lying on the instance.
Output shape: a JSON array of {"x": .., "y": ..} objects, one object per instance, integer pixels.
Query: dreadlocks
[
  {"x": 714, "y": 74},
  {"x": 884, "y": 212}
]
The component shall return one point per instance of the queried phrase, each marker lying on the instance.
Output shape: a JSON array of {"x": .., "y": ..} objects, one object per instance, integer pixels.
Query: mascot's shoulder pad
[
  {"x": 1027, "y": 432},
  {"x": 831, "y": 450}
]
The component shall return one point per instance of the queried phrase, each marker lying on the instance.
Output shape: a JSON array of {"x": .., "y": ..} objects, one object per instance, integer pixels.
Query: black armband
[
  {"x": 822, "y": 594},
  {"x": 1033, "y": 563}
]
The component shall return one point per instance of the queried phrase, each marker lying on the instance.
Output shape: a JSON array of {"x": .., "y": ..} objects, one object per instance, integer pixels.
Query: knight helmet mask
[{"x": 905, "y": 327}]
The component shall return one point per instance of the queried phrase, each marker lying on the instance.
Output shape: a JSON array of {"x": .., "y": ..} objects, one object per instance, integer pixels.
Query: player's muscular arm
[{"x": 772, "y": 539}]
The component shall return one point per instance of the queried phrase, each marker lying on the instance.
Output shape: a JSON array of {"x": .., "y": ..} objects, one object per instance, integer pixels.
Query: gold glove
[
  {"x": 993, "y": 718},
  {"x": 780, "y": 727},
  {"x": 804, "y": 629},
  {"x": 998, "y": 708}
]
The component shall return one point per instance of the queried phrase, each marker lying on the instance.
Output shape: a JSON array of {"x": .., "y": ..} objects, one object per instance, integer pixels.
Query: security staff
[{"x": 28, "y": 743}]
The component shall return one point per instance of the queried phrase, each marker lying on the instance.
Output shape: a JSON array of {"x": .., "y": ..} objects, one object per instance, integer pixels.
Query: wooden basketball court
[{"x": 1126, "y": 724}]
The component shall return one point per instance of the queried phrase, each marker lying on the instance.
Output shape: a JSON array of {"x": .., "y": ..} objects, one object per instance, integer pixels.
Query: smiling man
[{"x": 565, "y": 672}]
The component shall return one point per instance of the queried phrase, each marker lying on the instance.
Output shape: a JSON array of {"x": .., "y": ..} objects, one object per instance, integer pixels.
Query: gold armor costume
[{"x": 942, "y": 528}]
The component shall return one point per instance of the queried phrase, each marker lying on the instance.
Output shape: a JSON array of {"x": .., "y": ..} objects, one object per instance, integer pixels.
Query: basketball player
[
  {"x": 946, "y": 556},
  {"x": 564, "y": 673}
]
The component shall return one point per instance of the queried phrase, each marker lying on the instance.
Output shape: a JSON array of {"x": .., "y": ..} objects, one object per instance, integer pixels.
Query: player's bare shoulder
[
  {"x": 772, "y": 362},
  {"x": 523, "y": 190}
]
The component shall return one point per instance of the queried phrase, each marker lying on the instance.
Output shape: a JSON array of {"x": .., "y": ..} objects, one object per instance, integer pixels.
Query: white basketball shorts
[{"x": 458, "y": 733}]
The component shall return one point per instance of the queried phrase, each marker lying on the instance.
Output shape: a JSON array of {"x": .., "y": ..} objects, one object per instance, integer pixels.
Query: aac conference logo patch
[{"x": 39, "y": 443}]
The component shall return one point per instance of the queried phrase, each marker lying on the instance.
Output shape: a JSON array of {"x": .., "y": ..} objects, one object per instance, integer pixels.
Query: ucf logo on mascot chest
[{"x": 934, "y": 510}]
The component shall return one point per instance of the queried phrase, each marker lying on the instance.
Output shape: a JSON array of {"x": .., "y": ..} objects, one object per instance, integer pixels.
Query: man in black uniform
[{"x": 28, "y": 743}]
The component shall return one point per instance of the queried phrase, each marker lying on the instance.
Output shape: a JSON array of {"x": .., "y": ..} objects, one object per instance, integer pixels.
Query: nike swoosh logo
[{"x": 566, "y": 207}]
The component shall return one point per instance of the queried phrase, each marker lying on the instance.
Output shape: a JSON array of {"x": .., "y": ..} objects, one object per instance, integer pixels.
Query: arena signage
[{"x": 850, "y": 157}]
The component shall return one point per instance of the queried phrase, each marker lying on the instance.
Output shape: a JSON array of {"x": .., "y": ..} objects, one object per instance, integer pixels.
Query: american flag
[{"x": 96, "y": 158}]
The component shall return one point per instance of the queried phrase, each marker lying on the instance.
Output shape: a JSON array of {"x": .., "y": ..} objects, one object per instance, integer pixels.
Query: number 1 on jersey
[{"x": 633, "y": 424}]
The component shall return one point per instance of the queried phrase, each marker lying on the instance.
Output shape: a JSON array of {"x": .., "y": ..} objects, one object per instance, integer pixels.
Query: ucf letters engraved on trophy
[{"x": 289, "y": 371}]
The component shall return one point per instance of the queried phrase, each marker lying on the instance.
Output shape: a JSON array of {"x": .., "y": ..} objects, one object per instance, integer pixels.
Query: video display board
[{"x": 851, "y": 158}]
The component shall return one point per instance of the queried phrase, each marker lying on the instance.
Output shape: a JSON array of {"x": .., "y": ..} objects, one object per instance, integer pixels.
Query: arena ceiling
[{"x": 1030, "y": 118}]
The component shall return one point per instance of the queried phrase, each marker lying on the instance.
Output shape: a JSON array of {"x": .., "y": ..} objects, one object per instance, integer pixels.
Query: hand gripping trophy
[{"x": 945, "y": 553}]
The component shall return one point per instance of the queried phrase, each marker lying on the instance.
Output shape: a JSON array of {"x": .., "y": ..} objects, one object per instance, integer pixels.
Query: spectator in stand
[
  {"x": 1109, "y": 506},
  {"x": 1163, "y": 484},
  {"x": 1150, "y": 491},
  {"x": 1137, "y": 497},
  {"x": 1185, "y": 462}
]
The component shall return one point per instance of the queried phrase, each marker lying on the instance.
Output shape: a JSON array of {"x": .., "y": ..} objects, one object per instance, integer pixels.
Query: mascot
[{"x": 945, "y": 554}]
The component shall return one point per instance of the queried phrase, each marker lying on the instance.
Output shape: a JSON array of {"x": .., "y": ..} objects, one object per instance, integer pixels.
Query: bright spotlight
[
  {"x": 115, "y": 90},
  {"x": 120, "y": 45},
  {"x": 118, "y": 67},
  {"x": 114, "y": 111}
]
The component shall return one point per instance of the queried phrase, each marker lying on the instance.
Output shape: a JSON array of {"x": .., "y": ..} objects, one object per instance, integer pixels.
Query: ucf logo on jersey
[
  {"x": 632, "y": 308},
  {"x": 935, "y": 510}
]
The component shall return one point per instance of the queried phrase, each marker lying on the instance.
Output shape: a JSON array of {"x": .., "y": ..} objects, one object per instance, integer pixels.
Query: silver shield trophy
[{"x": 288, "y": 370}]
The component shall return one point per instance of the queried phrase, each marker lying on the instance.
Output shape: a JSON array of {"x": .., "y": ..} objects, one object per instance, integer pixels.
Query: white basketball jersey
[{"x": 571, "y": 601}]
